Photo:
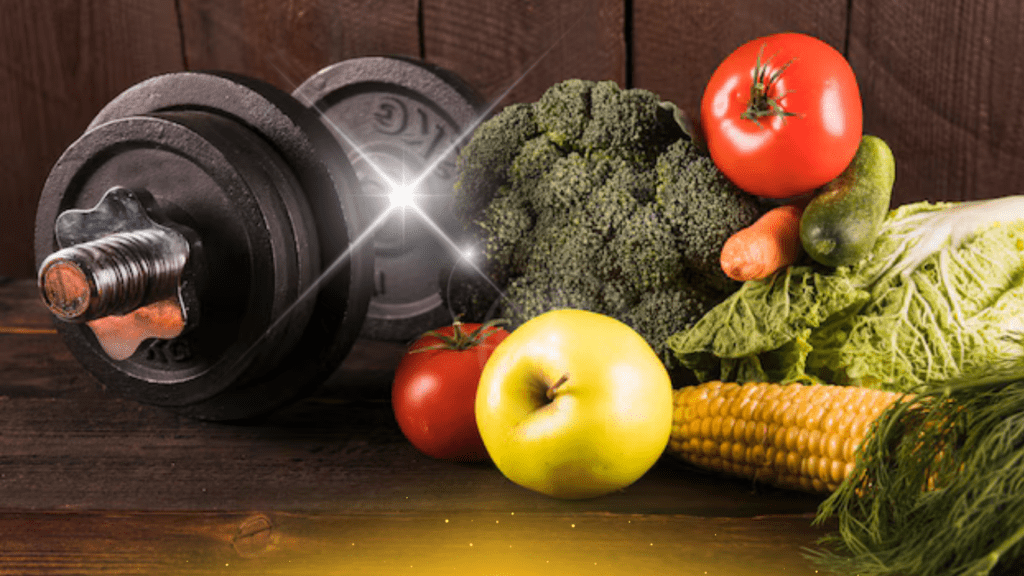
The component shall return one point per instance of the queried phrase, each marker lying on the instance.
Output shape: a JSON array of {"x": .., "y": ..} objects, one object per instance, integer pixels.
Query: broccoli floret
[
  {"x": 565, "y": 185},
  {"x": 563, "y": 110},
  {"x": 594, "y": 198},
  {"x": 627, "y": 123},
  {"x": 536, "y": 158},
  {"x": 679, "y": 301},
  {"x": 485, "y": 161},
  {"x": 529, "y": 296},
  {"x": 562, "y": 246},
  {"x": 645, "y": 253},
  {"x": 505, "y": 224},
  {"x": 703, "y": 222}
]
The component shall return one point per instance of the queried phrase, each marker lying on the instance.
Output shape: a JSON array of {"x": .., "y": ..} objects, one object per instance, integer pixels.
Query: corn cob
[{"x": 792, "y": 436}]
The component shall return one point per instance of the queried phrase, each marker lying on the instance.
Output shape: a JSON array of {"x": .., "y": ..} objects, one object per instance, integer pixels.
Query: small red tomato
[
  {"x": 782, "y": 115},
  {"x": 434, "y": 391}
]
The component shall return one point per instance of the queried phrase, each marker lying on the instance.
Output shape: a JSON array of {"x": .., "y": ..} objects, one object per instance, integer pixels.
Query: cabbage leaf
[{"x": 939, "y": 299}]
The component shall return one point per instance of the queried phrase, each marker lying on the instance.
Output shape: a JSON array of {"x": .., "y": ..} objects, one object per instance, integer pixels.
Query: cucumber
[{"x": 841, "y": 222}]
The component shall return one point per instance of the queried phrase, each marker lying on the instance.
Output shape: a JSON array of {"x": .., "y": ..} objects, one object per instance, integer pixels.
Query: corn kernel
[
  {"x": 757, "y": 455},
  {"x": 831, "y": 417},
  {"x": 728, "y": 425},
  {"x": 792, "y": 437},
  {"x": 784, "y": 414},
  {"x": 693, "y": 429},
  {"x": 814, "y": 442},
  {"x": 814, "y": 416},
  {"x": 705, "y": 428},
  {"x": 779, "y": 462},
  {"x": 837, "y": 471},
  {"x": 717, "y": 406},
  {"x": 740, "y": 429},
  {"x": 833, "y": 446},
  {"x": 736, "y": 410},
  {"x": 849, "y": 448},
  {"x": 793, "y": 461},
  {"x": 779, "y": 438},
  {"x": 802, "y": 444},
  {"x": 747, "y": 410},
  {"x": 753, "y": 432},
  {"x": 716, "y": 428},
  {"x": 738, "y": 452},
  {"x": 709, "y": 448}
]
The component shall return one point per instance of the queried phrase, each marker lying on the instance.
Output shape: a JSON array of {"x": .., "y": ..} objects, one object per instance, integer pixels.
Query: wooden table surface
[{"x": 95, "y": 484}]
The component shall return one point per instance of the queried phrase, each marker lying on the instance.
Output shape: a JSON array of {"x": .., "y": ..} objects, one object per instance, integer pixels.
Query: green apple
[{"x": 574, "y": 404}]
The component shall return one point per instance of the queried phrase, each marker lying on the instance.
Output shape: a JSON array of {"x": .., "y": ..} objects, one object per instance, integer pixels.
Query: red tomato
[
  {"x": 782, "y": 115},
  {"x": 434, "y": 391}
]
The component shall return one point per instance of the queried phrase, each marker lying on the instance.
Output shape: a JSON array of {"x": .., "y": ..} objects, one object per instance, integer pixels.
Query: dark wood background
[{"x": 941, "y": 81}]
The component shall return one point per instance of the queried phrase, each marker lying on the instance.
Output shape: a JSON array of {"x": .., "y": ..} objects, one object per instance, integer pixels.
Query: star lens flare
[{"x": 406, "y": 195}]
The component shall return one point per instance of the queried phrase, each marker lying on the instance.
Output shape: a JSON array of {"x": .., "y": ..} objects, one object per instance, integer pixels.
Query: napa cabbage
[{"x": 939, "y": 299}]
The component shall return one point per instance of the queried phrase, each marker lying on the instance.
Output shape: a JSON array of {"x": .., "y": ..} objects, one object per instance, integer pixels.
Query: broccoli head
[{"x": 595, "y": 198}]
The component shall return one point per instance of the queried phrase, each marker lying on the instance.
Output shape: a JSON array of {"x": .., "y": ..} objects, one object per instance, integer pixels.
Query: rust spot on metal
[
  {"x": 66, "y": 289},
  {"x": 121, "y": 336}
]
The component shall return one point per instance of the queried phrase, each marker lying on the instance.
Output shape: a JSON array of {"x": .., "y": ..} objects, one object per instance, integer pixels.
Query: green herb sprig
[{"x": 938, "y": 489}]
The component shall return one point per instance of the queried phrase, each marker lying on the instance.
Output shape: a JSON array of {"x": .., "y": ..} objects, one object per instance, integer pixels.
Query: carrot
[{"x": 767, "y": 245}]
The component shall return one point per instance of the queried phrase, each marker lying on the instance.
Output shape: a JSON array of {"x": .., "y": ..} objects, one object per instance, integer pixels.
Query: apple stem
[{"x": 553, "y": 389}]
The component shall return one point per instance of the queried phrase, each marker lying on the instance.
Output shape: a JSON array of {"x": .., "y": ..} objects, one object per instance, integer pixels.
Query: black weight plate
[
  {"x": 201, "y": 168},
  {"x": 404, "y": 118},
  {"x": 249, "y": 380}
]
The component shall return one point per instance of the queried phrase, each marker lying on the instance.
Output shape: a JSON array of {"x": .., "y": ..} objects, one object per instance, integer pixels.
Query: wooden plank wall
[{"x": 940, "y": 80}]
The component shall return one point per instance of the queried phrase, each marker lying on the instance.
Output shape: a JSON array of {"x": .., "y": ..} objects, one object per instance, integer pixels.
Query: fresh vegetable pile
[{"x": 871, "y": 352}]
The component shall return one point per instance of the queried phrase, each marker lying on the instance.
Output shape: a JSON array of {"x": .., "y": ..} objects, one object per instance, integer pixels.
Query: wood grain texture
[
  {"x": 284, "y": 42},
  {"x": 60, "y": 62},
  {"x": 509, "y": 543},
  {"x": 941, "y": 82},
  {"x": 513, "y": 51},
  {"x": 678, "y": 45},
  {"x": 65, "y": 444}
]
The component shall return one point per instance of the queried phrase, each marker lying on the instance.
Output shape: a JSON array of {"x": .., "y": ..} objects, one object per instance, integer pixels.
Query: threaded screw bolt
[{"x": 113, "y": 275}]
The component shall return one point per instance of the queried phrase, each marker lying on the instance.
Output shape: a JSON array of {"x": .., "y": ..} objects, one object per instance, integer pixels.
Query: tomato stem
[
  {"x": 460, "y": 340},
  {"x": 763, "y": 102}
]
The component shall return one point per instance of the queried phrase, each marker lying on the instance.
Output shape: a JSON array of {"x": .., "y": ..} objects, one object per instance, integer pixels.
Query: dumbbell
[{"x": 215, "y": 245}]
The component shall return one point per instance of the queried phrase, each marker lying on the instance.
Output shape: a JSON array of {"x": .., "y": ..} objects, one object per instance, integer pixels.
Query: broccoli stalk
[{"x": 595, "y": 198}]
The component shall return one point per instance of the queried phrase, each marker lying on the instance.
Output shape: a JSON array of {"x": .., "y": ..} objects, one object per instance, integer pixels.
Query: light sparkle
[{"x": 404, "y": 195}]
